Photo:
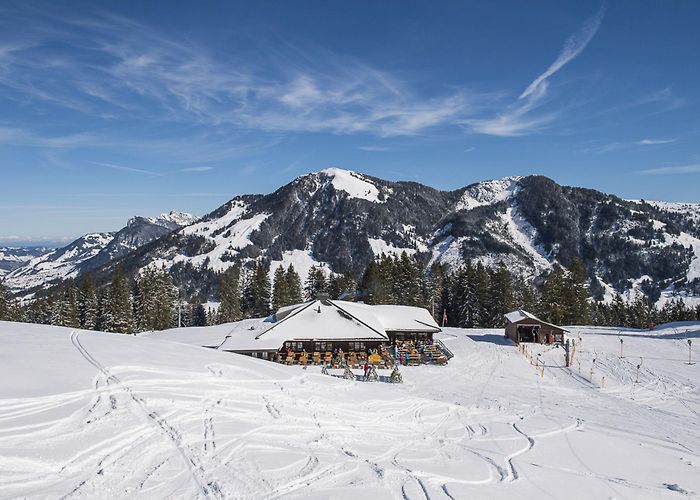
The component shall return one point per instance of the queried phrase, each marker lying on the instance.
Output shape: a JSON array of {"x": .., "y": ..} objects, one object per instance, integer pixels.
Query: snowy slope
[
  {"x": 93, "y": 250},
  {"x": 92, "y": 415},
  {"x": 13, "y": 257},
  {"x": 354, "y": 184},
  {"x": 488, "y": 193},
  {"x": 61, "y": 263}
]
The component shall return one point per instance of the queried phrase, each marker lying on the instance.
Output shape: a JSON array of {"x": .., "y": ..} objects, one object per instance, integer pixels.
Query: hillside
[
  {"x": 78, "y": 409},
  {"x": 342, "y": 220},
  {"x": 12, "y": 258},
  {"x": 91, "y": 251}
]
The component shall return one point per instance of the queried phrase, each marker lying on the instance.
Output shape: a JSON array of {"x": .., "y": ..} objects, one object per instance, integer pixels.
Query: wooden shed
[{"x": 522, "y": 326}]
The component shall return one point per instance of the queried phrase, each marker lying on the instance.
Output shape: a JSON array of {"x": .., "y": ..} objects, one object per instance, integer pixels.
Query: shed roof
[{"x": 521, "y": 314}]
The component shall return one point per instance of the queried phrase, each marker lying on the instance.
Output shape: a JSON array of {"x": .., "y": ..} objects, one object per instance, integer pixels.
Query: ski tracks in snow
[{"x": 209, "y": 488}]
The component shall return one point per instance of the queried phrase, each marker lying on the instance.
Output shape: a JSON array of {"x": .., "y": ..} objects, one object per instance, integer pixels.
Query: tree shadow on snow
[{"x": 492, "y": 339}]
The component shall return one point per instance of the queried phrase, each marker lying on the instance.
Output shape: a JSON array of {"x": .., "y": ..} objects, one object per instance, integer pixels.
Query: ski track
[
  {"x": 244, "y": 436},
  {"x": 209, "y": 488}
]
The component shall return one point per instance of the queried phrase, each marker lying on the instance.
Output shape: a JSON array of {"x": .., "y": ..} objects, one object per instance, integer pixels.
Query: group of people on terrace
[{"x": 405, "y": 352}]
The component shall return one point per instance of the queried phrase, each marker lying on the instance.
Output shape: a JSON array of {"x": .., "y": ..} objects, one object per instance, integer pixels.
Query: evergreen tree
[
  {"x": 524, "y": 294},
  {"x": 432, "y": 291},
  {"x": 640, "y": 312},
  {"x": 56, "y": 301},
  {"x": 4, "y": 302},
  {"x": 577, "y": 294},
  {"x": 481, "y": 287},
  {"x": 155, "y": 300},
  {"x": 500, "y": 296},
  {"x": 212, "y": 317},
  {"x": 618, "y": 312},
  {"x": 370, "y": 286},
  {"x": 293, "y": 285},
  {"x": 15, "y": 311},
  {"x": 316, "y": 282},
  {"x": 88, "y": 304},
  {"x": 229, "y": 298},
  {"x": 199, "y": 315},
  {"x": 280, "y": 287},
  {"x": 118, "y": 306},
  {"x": 261, "y": 290},
  {"x": 103, "y": 313},
  {"x": 245, "y": 281},
  {"x": 145, "y": 299},
  {"x": 406, "y": 281},
  {"x": 553, "y": 298},
  {"x": 70, "y": 312},
  {"x": 341, "y": 286}
]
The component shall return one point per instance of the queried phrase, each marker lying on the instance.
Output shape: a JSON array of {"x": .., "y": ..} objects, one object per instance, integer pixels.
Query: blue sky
[{"x": 112, "y": 109}]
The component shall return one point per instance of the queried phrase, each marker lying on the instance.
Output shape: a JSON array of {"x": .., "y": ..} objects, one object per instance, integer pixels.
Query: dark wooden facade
[{"x": 534, "y": 330}]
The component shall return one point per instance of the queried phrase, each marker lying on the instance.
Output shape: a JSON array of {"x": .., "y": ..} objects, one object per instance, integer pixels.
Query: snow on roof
[
  {"x": 521, "y": 314},
  {"x": 395, "y": 318},
  {"x": 328, "y": 320},
  {"x": 244, "y": 336},
  {"x": 325, "y": 320}
]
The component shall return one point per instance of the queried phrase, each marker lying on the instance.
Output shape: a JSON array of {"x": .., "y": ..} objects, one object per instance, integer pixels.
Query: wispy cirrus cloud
[
  {"x": 518, "y": 118},
  {"x": 627, "y": 145},
  {"x": 652, "y": 142},
  {"x": 195, "y": 169},
  {"x": 131, "y": 170},
  {"x": 150, "y": 172},
  {"x": 674, "y": 170},
  {"x": 115, "y": 67},
  {"x": 573, "y": 46}
]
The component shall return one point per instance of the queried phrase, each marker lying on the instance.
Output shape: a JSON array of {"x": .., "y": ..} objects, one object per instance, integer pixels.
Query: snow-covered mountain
[
  {"x": 342, "y": 219},
  {"x": 13, "y": 257},
  {"x": 91, "y": 251}
]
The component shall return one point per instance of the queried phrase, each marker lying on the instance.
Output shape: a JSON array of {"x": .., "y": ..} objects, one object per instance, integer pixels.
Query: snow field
[{"x": 93, "y": 415}]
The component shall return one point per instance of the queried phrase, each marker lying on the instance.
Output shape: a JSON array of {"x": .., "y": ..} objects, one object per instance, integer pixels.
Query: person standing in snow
[{"x": 366, "y": 370}]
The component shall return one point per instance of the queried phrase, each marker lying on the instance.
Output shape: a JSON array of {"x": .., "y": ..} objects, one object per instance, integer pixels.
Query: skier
[{"x": 366, "y": 370}]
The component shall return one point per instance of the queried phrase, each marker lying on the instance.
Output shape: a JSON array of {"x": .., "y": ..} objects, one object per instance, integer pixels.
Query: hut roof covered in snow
[
  {"x": 520, "y": 314},
  {"x": 329, "y": 320}
]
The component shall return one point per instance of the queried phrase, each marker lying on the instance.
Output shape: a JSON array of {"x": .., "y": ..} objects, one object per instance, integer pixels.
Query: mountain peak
[
  {"x": 488, "y": 192},
  {"x": 354, "y": 184}
]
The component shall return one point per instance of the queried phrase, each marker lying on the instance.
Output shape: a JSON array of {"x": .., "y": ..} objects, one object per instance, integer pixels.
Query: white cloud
[
  {"x": 573, "y": 46},
  {"x": 516, "y": 119},
  {"x": 158, "y": 77},
  {"x": 677, "y": 170},
  {"x": 648, "y": 142},
  {"x": 123, "y": 168},
  {"x": 196, "y": 169}
]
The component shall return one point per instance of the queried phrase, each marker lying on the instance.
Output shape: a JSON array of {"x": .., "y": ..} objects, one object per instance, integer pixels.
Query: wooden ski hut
[{"x": 522, "y": 326}]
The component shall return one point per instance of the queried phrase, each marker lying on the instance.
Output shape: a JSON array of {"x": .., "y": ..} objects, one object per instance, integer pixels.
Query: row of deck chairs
[
  {"x": 351, "y": 359},
  {"x": 430, "y": 354}
]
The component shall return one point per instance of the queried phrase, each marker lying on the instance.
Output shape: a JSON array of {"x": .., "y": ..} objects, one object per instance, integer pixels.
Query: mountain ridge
[{"x": 342, "y": 220}]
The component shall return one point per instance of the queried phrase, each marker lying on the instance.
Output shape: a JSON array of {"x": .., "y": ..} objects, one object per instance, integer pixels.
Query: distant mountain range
[
  {"x": 342, "y": 219},
  {"x": 13, "y": 257},
  {"x": 90, "y": 252}
]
